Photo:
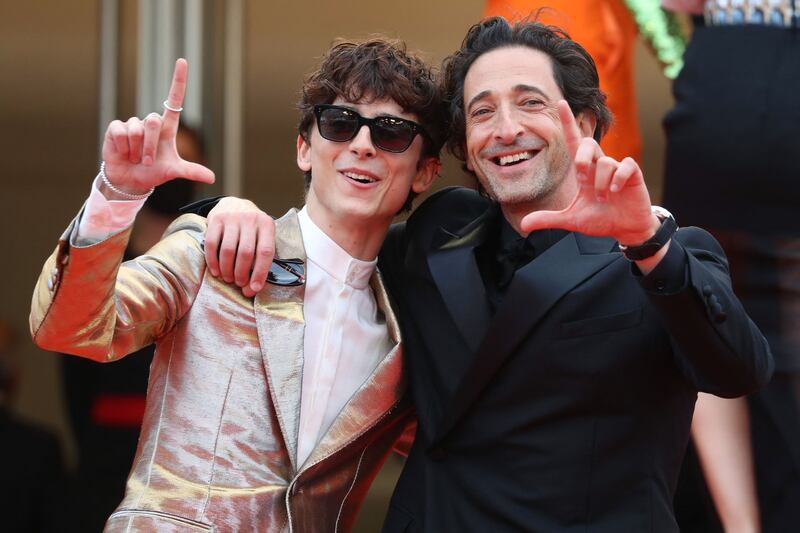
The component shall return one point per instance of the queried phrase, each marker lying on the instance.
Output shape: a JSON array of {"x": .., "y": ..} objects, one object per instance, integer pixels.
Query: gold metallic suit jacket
[{"x": 218, "y": 448}]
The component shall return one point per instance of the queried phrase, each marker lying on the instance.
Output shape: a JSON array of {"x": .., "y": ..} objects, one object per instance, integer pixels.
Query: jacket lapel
[
  {"x": 536, "y": 288},
  {"x": 455, "y": 272},
  {"x": 376, "y": 396},
  {"x": 281, "y": 326}
]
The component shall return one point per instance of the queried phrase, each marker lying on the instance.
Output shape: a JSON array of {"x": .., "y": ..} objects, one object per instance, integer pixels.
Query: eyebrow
[
  {"x": 523, "y": 88},
  {"x": 520, "y": 88},
  {"x": 478, "y": 97}
]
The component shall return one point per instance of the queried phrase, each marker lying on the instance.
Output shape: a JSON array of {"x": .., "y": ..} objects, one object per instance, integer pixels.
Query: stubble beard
[{"x": 531, "y": 190}]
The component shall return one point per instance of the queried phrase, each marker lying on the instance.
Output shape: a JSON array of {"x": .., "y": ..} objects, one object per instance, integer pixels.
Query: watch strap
[{"x": 652, "y": 245}]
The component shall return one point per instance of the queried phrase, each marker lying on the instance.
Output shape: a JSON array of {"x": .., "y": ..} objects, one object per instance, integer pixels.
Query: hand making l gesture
[
  {"x": 612, "y": 198},
  {"x": 141, "y": 154}
]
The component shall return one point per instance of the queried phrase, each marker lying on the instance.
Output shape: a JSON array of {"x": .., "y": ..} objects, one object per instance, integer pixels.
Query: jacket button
[
  {"x": 719, "y": 313},
  {"x": 707, "y": 290}
]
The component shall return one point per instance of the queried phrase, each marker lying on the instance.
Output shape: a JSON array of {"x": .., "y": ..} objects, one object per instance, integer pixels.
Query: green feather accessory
[{"x": 663, "y": 31}]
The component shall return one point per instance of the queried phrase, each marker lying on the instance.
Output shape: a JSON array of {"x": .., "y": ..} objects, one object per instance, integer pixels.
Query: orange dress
[{"x": 608, "y": 31}]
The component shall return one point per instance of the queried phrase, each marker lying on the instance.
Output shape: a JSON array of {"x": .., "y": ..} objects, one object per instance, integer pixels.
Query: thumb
[
  {"x": 196, "y": 172},
  {"x": 546, "y": 219}
]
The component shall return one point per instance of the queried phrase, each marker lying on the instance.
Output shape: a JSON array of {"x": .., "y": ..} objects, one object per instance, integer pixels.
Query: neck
[{"x": 360, "y": 238}]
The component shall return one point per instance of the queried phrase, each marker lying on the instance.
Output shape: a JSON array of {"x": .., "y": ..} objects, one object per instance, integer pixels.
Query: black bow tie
[{"x": 512, "y": 257}]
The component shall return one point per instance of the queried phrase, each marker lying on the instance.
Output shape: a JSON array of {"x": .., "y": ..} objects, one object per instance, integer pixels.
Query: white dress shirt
[
  {"x": 345, "y": 334},
  {"x": 345, "y": 338}
]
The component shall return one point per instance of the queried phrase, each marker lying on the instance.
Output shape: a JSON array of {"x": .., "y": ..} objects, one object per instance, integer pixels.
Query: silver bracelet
[{"x": 126, "y": 195}]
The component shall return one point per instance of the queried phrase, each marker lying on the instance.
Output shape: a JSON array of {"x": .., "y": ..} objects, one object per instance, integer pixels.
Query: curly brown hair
[{"x": 377, "y": 69}]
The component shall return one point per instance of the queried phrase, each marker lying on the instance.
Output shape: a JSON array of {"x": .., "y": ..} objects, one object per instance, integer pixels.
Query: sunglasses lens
[
  {"x": 337, "y": 124},
  {"x": 280, "y": 277},
  {"x": 287, "y": 272},
  {"x": 392, "y": 135}
]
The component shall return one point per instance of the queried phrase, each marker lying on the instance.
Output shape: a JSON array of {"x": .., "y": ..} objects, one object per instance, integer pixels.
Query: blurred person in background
[
  {"x": 31, "y": 468},
  {"x": 732, "y": 139}
]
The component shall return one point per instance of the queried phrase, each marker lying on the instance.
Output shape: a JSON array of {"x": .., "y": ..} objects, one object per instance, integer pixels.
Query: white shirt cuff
[{"x": 103, "y": 218}]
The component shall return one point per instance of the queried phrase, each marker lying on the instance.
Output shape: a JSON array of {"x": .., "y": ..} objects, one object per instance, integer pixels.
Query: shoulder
[
  {"x": 181, "y": 246},
  {"x": 191, "y": 228},
  {"x": 698, "y": 241},
  {"x": 451, "y": 207}
]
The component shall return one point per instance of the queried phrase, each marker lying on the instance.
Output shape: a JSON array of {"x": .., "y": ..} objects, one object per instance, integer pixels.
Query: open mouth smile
[
  {"x": 359, "y": 178},
  {"x": 514, "y": 159}
]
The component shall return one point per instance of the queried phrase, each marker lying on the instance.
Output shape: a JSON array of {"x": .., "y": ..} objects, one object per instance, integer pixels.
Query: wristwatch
[{"x": 652, "y": 245}]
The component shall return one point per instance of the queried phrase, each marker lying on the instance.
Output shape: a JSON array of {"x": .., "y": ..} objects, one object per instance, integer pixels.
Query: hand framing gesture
[
  {"x": 612, "y": 198},
  {"x": 141, "y": 154}
]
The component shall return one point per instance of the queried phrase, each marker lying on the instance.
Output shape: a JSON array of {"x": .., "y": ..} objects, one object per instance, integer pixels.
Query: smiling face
[
  {"x": 514, "y": 140},
  {"x": 355, "y": 184}
]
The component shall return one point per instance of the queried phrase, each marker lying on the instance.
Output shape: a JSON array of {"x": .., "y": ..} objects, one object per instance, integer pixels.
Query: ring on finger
[{"x": 171, "y": 108}]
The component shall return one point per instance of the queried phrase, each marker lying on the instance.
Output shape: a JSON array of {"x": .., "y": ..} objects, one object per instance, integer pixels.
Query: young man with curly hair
[{"x": 272, "y": 412}]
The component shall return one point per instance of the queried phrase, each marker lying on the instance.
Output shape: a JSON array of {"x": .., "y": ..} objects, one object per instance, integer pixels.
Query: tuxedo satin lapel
[
  {"x": 376, "y": 396},
  {"x": 532, "y": 293},
  {"x": 281, "y": 326},
  {"x": 455, "y": 272}
]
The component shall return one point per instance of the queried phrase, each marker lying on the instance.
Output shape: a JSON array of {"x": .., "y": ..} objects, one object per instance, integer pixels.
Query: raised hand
[
  {"x": 240, "y": 244},
  {"x": 141, "y": 154},
  {"x": 612, "y": 198}
]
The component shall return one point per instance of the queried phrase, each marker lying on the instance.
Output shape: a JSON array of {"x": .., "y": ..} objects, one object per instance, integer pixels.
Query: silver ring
[{"x": 174, "y": 109}]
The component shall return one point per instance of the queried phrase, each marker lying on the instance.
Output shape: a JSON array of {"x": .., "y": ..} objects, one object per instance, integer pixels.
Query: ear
[
  {"x": 427, "y": 170},
  {"x": 586, "y": 123},
  {"x": 303, "y": 154}
]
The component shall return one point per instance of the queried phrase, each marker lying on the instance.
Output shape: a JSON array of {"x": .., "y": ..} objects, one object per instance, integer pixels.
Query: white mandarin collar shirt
[
  {"x": 345, "y": 334},
  {"x": 331, "y": 258}
]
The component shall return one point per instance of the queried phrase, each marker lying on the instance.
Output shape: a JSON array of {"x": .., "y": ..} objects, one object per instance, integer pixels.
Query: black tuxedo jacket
[{"x": 569, "y": 409}]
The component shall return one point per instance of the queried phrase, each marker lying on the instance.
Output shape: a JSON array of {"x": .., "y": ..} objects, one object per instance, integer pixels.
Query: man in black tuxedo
[{"x": 554, "y": 379}]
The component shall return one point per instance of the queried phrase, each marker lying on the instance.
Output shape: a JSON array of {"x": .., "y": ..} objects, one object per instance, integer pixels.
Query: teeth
[
  {"x": 508, "y": 159},
  {"x": 359, "y": 177}
]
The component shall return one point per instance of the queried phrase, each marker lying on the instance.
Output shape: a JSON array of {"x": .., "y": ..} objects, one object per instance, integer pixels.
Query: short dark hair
[
  {"x": 574, "y": 71},
  {"x": 376, "y": 69}
]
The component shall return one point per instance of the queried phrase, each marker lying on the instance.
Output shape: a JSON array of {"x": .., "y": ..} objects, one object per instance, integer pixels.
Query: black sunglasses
[
  {"x": 340, "y": 124},
  {"x": 287, "y": 272}
]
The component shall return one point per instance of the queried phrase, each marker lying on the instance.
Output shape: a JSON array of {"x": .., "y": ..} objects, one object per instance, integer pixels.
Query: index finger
[
  {"x": 176, "y": 93},
  {"x": 572, "y": 134}
]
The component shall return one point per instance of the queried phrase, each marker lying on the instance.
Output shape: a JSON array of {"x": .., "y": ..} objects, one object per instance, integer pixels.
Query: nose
[
  {"x": 508, "y": 126},
  {"x": 361, "y": 144}
]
